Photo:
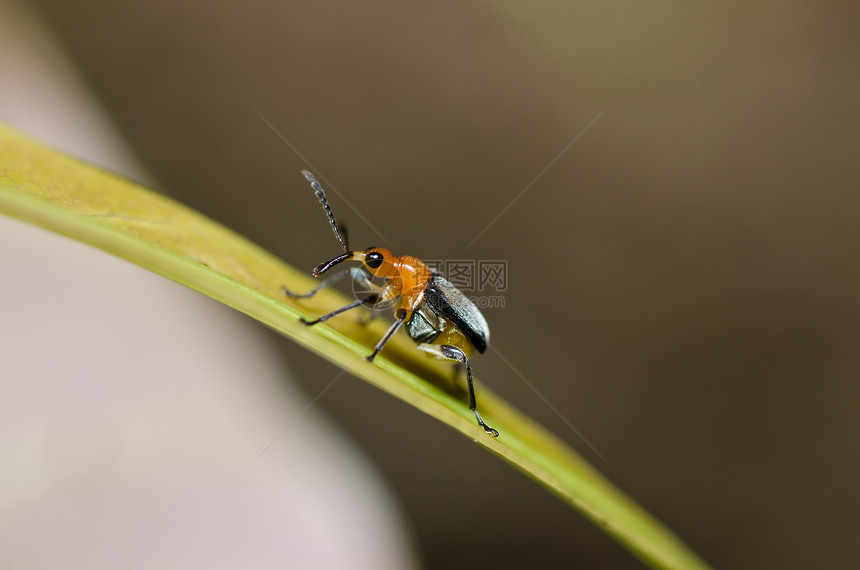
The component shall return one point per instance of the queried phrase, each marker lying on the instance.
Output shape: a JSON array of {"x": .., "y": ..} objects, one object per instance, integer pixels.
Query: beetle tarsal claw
[
  {"x": 487, "y": 429},
  {"x": 490, "y": 431}
]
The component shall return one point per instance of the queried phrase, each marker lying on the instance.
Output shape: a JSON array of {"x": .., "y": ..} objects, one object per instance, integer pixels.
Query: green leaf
[{"x": 66, "y": 196}]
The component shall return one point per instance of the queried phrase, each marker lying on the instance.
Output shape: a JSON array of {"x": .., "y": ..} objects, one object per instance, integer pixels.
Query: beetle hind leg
[{"x": 455, "y": 354}]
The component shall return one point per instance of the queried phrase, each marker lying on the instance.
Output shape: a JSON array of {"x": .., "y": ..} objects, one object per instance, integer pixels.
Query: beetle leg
[
  {"x": 369, "y": 300},
  {"x": 358, "y": 276},
  {"x": 452, "y": 353},
  {"x": 361, "y": 284},
  {"x": 400, "y": 315},
  {"x": 354, "y": 272}
]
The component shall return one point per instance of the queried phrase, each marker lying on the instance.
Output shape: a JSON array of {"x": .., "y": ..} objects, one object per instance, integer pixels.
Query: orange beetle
[{"x": 438, "y": 316}]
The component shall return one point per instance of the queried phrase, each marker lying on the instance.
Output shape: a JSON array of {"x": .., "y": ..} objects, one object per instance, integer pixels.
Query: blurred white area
[{"x": 133, "y": 409}]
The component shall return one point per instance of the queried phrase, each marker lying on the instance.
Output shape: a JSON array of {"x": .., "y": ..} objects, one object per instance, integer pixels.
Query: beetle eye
[{"x": 373, "y": 259}]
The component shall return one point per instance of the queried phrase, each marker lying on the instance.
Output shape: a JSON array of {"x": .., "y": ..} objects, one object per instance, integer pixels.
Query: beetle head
[{"x": 378, "y": 260}]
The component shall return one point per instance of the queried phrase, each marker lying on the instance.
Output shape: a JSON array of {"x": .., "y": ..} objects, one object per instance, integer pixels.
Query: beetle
[{"x": 438, "y": 317}]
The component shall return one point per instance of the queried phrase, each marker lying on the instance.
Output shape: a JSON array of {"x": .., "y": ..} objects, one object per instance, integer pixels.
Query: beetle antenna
[
  {"x": 344, "y": 234},
  {"x": 320, "y": 193}
]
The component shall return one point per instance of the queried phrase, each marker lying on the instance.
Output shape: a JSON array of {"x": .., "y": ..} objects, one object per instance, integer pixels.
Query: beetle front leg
[
  {"x": 369, "y": 300},
  {"x": 355, "y": 272},
  {"x": 362, "y": 284}
]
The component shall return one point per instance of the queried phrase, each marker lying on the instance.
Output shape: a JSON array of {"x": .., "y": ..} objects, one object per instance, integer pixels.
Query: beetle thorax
[{"x": 410, "y": 278}]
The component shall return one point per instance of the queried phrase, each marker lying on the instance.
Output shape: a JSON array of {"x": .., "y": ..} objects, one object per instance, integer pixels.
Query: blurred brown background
[{"x": 682, "y": 281}]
